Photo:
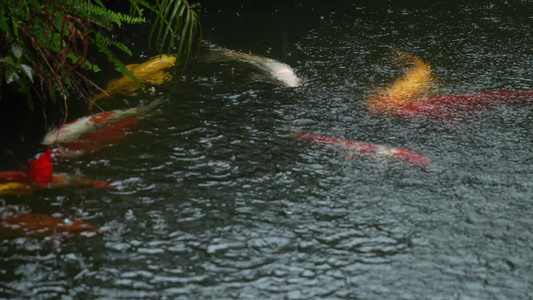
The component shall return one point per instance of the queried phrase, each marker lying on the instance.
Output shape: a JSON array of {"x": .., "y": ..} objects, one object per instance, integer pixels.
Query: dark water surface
[{"x": 217, "y": 200}]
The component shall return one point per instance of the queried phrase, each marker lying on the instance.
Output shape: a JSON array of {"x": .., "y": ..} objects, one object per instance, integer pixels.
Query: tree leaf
[
  {"x": 17, "y": 50},
  {"x": 9, "y": 60},
  {"x": 11, "y": 75},
  {"x": 28, "y": 71}
]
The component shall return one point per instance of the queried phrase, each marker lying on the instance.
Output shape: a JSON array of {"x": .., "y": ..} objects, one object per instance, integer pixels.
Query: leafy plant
[{"x": 45, "y": 42}]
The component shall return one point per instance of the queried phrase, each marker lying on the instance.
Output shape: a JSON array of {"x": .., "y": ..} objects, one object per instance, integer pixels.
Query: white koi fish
[{"x": 282, "y": 73}]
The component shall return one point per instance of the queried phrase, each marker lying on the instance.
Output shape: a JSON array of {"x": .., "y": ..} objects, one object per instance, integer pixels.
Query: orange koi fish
[
  {"x": 42, "y": 225},
  {"x": 152, "y": 71},
  {"x": 409, "y": 97},
  {"x": 92, "y": 133},
  {"x": 415, "y": 84},
  {"x": 368, "y": 149}
]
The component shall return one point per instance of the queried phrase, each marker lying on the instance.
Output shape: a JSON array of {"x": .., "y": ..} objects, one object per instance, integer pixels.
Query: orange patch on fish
[
  {"x": 416, "y": 83},
  {"x": 42, "y": 225}
]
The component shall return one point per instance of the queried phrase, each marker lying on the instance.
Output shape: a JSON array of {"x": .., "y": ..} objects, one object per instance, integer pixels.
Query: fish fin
[{"x": 153, "y": 104}]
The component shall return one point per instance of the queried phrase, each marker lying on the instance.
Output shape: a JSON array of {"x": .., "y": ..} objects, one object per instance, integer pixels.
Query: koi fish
[
  {"x": 38, "y": 171},
  {"x": 13, "y": 176},
  {"x": 282, "y": 73},
  {"x": 59, "y": 180},
  {"x": 152, "y": 71},
  {"x": 39, "y": 174},
  {"x": 16, "y": 188},
  {"x": 42, "y": 225},
  {"x": 89, "y": 134},
  {"x": 367, "y": 149},
  {"x": 416, "y": 83},
  {"x": 447, "y": 106}
]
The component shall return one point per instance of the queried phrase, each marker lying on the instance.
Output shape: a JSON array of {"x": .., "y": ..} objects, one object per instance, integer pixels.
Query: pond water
[{"x": 216, "y": 198}]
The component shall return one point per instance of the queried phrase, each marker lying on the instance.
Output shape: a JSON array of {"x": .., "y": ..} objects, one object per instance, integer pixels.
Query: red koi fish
[
  {"x": 42, "y": 225},
  {"x": 368, "y": 149},
  {"x": 92, "y": 133},
  {"x": 39, "y": 171},
  {"x": 448, "y": 106}
]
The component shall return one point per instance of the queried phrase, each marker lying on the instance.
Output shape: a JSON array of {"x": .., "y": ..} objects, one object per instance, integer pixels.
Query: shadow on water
[{"x": 216, "y": 199}]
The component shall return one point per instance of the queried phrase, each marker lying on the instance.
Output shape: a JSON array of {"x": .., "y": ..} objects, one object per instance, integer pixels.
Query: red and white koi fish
[
  {"x": 89, "y": 134},
  {"x": 282, "y": 73},
  {"x": 368, "y": 149},
  {"x": 42, "y": 225},
  {"x": 448, "y": 106}
]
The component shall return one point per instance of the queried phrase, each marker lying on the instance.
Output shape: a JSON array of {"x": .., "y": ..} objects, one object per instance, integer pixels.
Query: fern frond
[
  {"x": 175, "y": 18},
  {"x": 103, "y": 43},
  {"x": 5, "y": 26}
]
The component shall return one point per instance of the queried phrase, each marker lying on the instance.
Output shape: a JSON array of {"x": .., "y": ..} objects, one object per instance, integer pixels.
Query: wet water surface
[{"x": 216, "y": 199}]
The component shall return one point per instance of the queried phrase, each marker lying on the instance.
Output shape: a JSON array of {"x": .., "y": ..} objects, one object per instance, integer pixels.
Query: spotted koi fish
[
  {"x": 152, "y": 71},
  {"x": 354, "y": 148}
]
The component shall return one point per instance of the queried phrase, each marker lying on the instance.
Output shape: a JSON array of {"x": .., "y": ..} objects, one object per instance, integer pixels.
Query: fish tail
[
  {"x": 412, "y": 157},
  {"x": 217, "y": 54},
  {"x": 151, "y": 106}
]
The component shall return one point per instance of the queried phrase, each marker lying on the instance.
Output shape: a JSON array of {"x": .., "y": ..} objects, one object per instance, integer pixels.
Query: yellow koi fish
[
  {"x": 416, "y": 83},
  {"x": 152, "y": 71}
]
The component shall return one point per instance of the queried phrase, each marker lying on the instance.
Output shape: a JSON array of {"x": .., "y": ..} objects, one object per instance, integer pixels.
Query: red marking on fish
[
  {"x": 449, "y": 106},
  {"x": 13, "y": 176},
  {"x": 40, "y": 170},
  {"x": 37, "y": 171},
  {"x": 102, "y": 116},
  {"x": 107, "y": 135},
  {"x": 368, "y": 149}
]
